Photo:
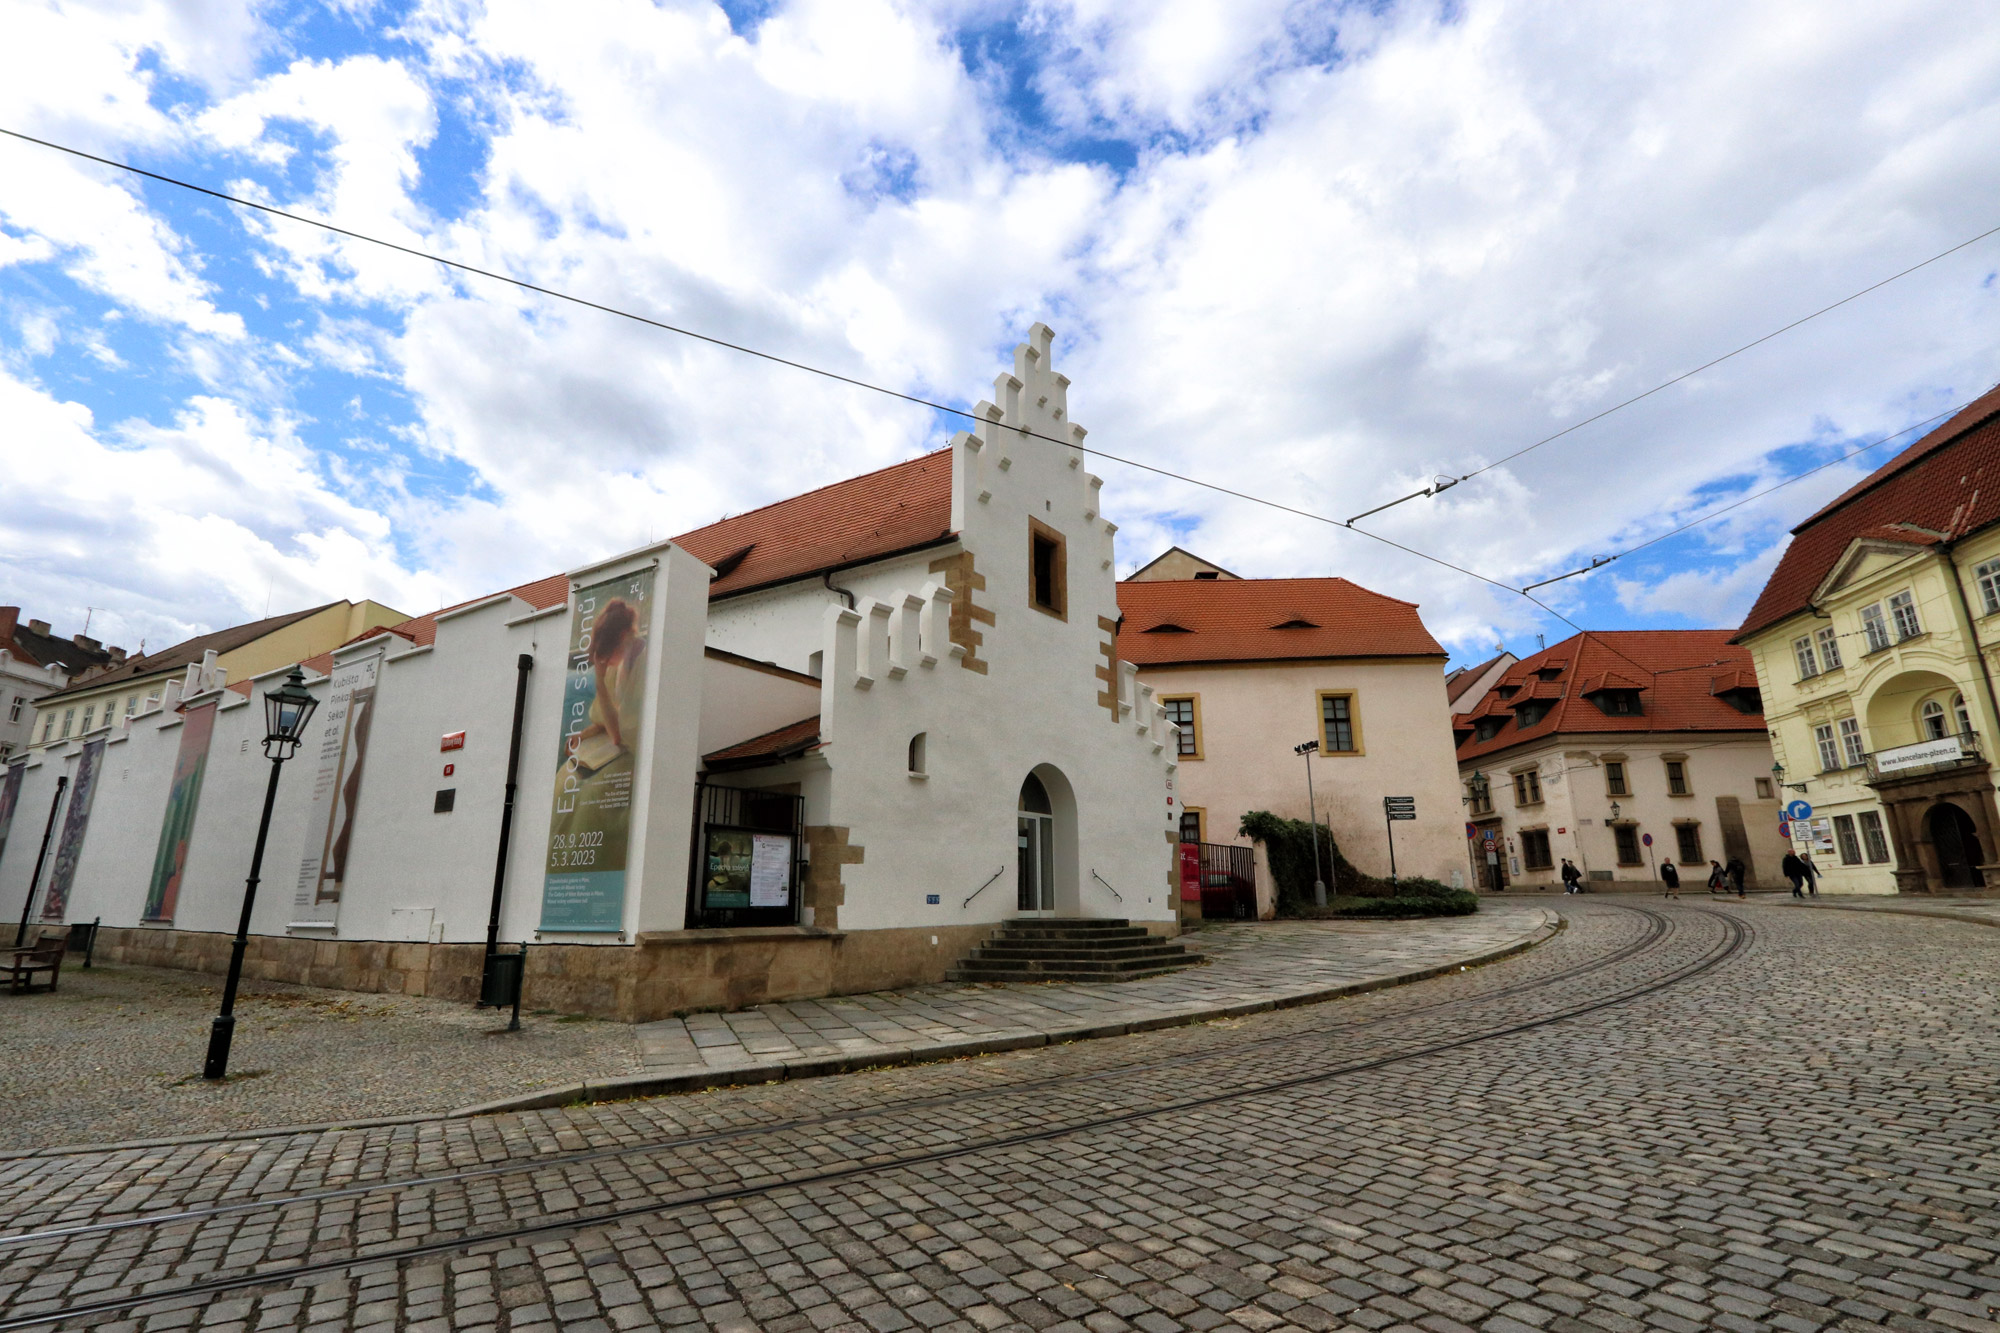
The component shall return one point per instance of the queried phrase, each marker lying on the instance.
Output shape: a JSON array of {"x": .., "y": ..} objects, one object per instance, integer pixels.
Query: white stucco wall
[{"x": 1253, "y": 713}]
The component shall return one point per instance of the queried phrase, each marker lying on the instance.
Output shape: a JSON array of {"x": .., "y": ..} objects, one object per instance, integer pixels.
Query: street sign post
[
  {"x": 1798, "y": 810},
  {"x": 1393, "y": 809}
]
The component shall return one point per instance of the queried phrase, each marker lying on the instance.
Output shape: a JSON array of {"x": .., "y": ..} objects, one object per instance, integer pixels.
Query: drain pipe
[
  {"x": 523, "y": 665},
  {"x": 36, "y": 878},
  {"x": 846, "y": 596}
]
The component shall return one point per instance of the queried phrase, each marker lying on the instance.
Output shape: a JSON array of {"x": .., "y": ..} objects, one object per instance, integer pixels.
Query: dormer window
[
  {"x": 1548, "y": 673},
  {"x": 1296, "y": 623},
  {"x": 1206, "y": 574},
  {"x": 1531, "y": 713},
  {"x": 1489, "y": 727},
  {"x": 1507, "y": 691},
  {"x": 1617, "y": 703},
  {"x": 1167, "y": 627}
]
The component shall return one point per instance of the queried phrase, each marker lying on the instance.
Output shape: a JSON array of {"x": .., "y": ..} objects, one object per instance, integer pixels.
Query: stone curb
[
  {"x": 817, "y": 1066},
  {"x": 745, "y": 1075},
  {"x": 1935, "y": 913}
]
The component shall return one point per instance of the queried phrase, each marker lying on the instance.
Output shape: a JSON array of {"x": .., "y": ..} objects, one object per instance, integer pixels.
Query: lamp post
[
  {"x": 1778, "y": 773},
  {"x": 285, "y": 712},
  {"x": 1309, "y": 749}
]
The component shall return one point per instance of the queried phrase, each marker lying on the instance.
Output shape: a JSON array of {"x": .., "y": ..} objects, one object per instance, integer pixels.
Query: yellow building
[
  {"x": 239, "y": 653},
  {"x": 1876, "y": 642}
]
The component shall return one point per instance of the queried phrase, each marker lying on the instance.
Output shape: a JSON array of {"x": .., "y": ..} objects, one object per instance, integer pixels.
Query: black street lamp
[
  {"x": 285, "y": 712},
  {"x": 1778, "y": 772},
  {"x": 1309, "y": 749}
]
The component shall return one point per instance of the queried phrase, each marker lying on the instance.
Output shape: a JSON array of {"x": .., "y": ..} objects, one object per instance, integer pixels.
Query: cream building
[
  {"x": 1620, "y": 750},
  {"x": 1248, "y": 669},
  {"x": 1876, "y": 639}
]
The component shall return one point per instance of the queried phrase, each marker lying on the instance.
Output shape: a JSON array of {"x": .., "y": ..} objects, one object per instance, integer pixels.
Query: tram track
[
  {"x": 1735, "y": 936},
  {"x": 1657, "y": 928}
]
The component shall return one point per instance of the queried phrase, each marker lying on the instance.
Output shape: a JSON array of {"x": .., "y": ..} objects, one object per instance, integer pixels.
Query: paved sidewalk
[
  {"x": 1979, "y": 911},
  {"x": 1248, "y": 967}
]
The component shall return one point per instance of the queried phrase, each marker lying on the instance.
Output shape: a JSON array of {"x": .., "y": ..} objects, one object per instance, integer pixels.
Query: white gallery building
[{"x": 821, "y": 747}]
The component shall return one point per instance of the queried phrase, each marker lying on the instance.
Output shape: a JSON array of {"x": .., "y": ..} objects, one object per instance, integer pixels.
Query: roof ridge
[
  {"x": 790, "y": 499},
  {"x": 1960, "y": 423}
]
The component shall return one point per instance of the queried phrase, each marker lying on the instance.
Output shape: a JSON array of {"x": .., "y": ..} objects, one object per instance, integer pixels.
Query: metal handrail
[
  {"x": 1106, "y": 883},
  {"x": 982, "y": 888}
]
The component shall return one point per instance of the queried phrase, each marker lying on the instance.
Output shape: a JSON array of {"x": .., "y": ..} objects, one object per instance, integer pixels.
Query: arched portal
[
  {"x": 1045, "y": 875},
  {"x": 1955, "y": 839}
]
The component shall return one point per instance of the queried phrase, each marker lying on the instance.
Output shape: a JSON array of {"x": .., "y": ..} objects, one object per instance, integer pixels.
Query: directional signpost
[{"x": 1393, "y": 809}]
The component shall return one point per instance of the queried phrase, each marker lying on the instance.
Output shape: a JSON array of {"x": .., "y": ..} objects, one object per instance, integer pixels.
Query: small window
[
  {"x": 1763, "y": 789},
  {"x": 1828, "y": 643},
  {"x": 1535, "y": 849},
  {"x": 1875, "y": 627},
  {"x": 1802, "y": 652},
  {"x": 1829, "y": 752},
  {"x": 1687, "y": 838},
  {"x": 1850, "y": 742},
  {"x": 1614, "y": 779},
  {"x": 1872, "y": 840},
  {"x": 1190, "y": 825},
  {"x": 1677, "y": 777},
  {"x": 1047, "y": 569},
  {"x": 1206, "y": 574},
  {"x": 1627, "y": 838},
  {"x": 1989, "y": 585},
  {"x": 1903, "y": 610},
  {"x": 1960, "y": 715},
  {"x": 1843, "y": 837},
  {"x": 48, "y": 727},
  {"x": 131, "y": 704},
  {"x": 14, "y": 709},
  {"x": 917, "y": 747},
  {"x": 1181, "y": 712},
  {"x": 1337, "y": 729},
  {"x": 1527, "y": 788},
  {"x": 445, "y": 801},
  {"x": 1930, "y": 722},
  {"x": 88, "y": 709},
  {"x": 69, "y": 716}
]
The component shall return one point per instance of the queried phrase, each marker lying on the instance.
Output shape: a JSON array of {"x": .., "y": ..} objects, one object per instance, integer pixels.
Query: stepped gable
[
  {"x": 1261, "y": 620},
  {"x": 903, "y": 507},
  {"x": 1080, "y": 949},
  {"x": 1944, "y": 486},
  {"x": 1676, "y": 670}
]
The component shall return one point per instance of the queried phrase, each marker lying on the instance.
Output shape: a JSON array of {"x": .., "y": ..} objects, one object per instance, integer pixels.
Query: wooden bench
[{"x": 21, "y": 965}]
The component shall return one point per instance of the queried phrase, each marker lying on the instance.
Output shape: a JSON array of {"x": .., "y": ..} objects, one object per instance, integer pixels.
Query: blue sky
[{"x": 1316, "y": 252}]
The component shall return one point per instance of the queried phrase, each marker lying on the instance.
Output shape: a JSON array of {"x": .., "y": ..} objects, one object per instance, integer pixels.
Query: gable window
[
  {"x": 1047, "y": 570},
  {"x": 1931, "y": 723},
  {"x": 1614, "y": 779},
  {"x": 1872, "y": 840},
  {"x": 1535, "y": 849},
  {"x": 1903, "y": 610},
  {"x": 1988, "y": 575},
  {"x": 1688, "y": 840},
  {"x": 1181, "y": 712},
  {"x": 1677, "y": 777},
  {"x": 1874, "y": 627},
  {"x": 1851, "y": 748},
  {"x": 1339, "y": 730},
  {"x": 1828, "y": 643},
  {"x": 1528, "y": 788},
  {"x": 1843, "y": 837},
  {"x": 1802, "y": 650},
  {"x": 1627, "y": 837},
  {"x": 1829, "y": 752}
]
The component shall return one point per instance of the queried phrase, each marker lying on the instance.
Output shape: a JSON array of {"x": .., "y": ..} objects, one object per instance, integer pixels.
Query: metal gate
[
  {"x": 748, "y": 858},
  {"x": 1228, "y": 882}
]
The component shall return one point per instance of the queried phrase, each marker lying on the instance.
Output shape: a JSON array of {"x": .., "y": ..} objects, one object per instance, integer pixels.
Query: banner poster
[
  {"x": 10, "y": 796},
  {"x": 338, "y": 763},
  {"x": 82, "y": 789},
  {"x": 603, "y": 716},
  {"x": 170, "y": 861}
]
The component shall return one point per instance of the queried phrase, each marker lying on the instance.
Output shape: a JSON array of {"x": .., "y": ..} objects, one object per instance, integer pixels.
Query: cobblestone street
[{"x": 1672, "y": 1116}]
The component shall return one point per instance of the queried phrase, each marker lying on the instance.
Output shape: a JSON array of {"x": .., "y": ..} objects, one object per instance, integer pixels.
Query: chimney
[
  {"x": 85, "y": 642},
  {"x": 39, "y": 626},
  {"x": 10, "y": 616},
  {"x": 117, "y": 656}
]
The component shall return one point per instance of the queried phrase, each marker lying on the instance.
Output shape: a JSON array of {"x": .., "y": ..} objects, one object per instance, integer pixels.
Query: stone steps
[{"x": 1040, "y": 949}]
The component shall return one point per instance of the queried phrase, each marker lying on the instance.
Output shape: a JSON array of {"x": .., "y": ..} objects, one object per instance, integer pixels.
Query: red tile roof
[
  {"x": 422, "y": 630},
  {"x": 1236, "y": 620},
  {"x": 1463, "y": 679},
  {"x": 903, "y": 507},
  {"x": 772, "y": 746},
  {"x": 1937, "y": 485},
  {"x": 1677, "y": 669}
]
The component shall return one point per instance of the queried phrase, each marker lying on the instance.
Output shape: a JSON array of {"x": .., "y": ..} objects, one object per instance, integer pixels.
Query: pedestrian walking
[
  {"x": 1736, "y": 872},
  {"x": 1572, "y": 877},
  {"x": 1671, "y": 878},
  {"x": 1717, "y": 881},
  {"x": 1812, "y": 875},
  {"x": 1795, "y": 871}
]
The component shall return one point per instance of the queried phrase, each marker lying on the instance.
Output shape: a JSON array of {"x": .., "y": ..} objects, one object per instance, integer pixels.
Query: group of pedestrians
[
  {"x": 1803, "y": 874},
  {"x": 1721, "y": 878}
]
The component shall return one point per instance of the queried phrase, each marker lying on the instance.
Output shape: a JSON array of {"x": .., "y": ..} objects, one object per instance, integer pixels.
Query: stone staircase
[{"x": 1045, "y": 949}]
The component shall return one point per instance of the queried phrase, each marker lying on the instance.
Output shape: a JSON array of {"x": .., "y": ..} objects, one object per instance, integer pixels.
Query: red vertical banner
[{"x": 1190, "y": 872}]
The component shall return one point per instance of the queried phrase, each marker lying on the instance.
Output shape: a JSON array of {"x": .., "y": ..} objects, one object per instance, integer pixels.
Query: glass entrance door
[{"x": 1035, "y": 865}]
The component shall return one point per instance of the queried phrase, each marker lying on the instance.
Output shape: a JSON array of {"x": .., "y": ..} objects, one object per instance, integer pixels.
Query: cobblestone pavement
[
  {"x": 1245, "y": 963},
  {"x": 1673, "y": 1116},
  {"x": 1985, "y": 911},
  {"x": 114, "y": 1052}
]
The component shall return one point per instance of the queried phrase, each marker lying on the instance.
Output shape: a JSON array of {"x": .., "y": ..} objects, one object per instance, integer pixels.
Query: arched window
[
  {"x": 917, "y": 760},
  {"x": 1035, "y": 797},
  {"x": 1931, "y": 720},
  {"x": 1035, "y": 865},
  {"x": 1961, "y": 714}
]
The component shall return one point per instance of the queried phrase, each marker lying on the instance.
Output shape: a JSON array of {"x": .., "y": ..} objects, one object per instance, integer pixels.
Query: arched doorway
[
  {"x": 1035, "y": 855},
  {"x": 1956, "y": 842}
]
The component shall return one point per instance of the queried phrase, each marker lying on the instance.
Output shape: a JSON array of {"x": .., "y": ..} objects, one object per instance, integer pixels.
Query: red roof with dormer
[
  {"x": 1175, "y": 621},
  {"x": 1674, "y": 672}
]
